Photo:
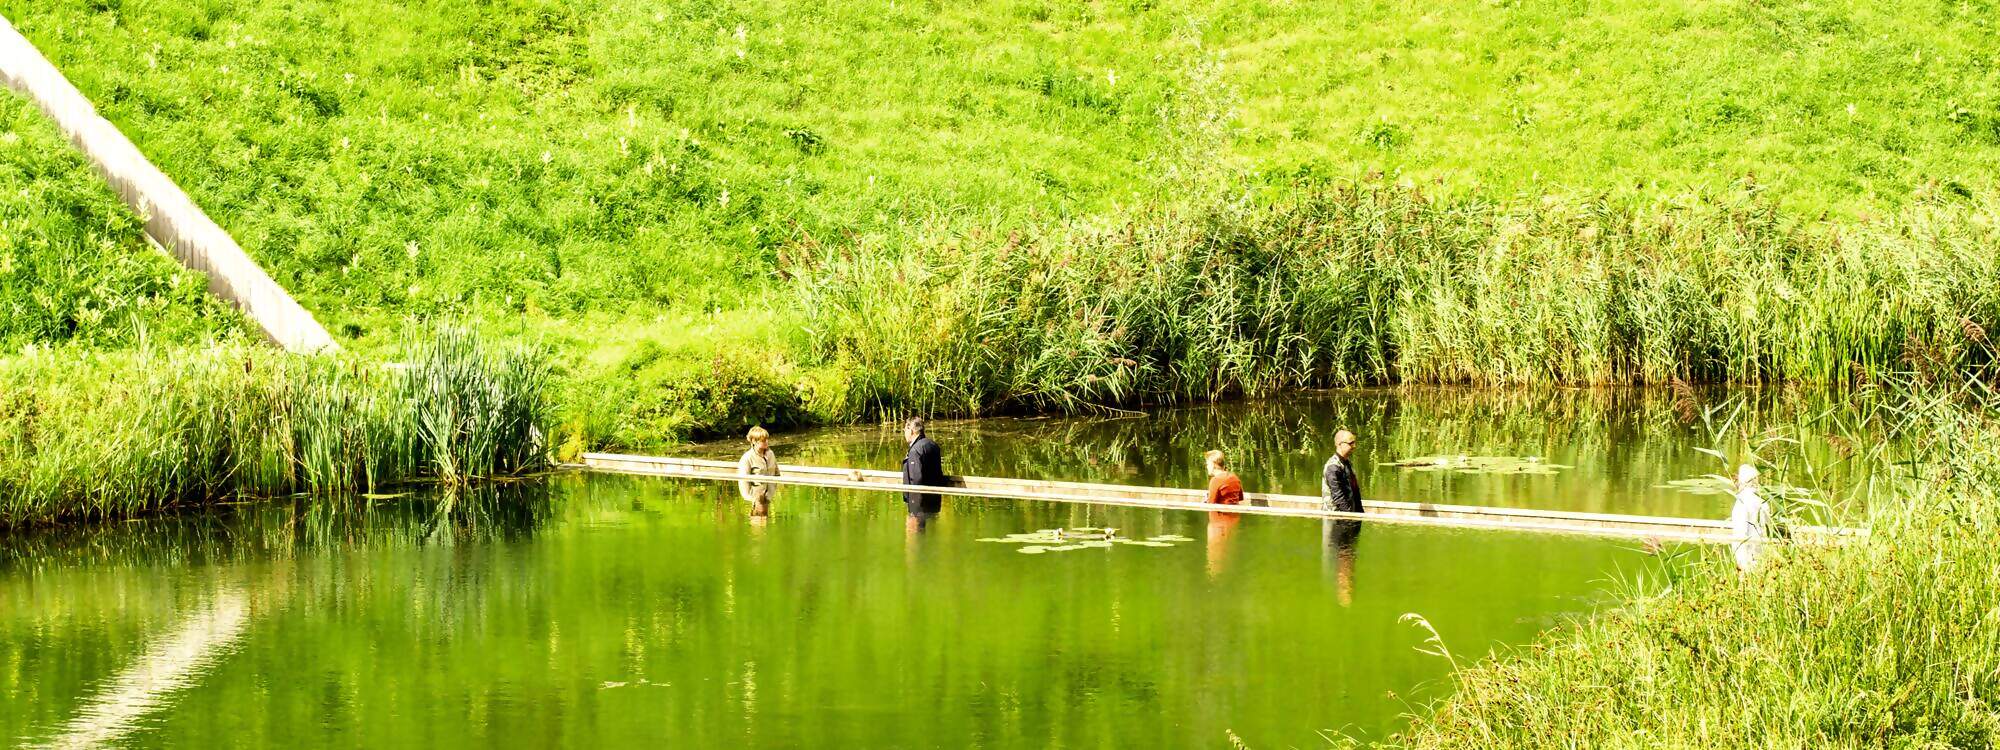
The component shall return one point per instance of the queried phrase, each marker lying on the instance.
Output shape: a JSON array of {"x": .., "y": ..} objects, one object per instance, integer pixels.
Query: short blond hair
[
  {"x": 1214, "y": 457},
  {"x": 759, "y": 435}
]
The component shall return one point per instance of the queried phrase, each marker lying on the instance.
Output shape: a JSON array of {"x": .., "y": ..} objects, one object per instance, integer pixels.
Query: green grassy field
[
  {"x": 74, "y": 266},
  {"x": 552, "y": 160},
  {"x": 784, "y": 212}
]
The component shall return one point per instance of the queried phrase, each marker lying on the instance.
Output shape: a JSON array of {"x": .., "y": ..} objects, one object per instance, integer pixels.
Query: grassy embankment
[
  {"x": 129, "y": 389},
  {"x": 74, "y": 265},
  {"x": 652, "y": 189}
]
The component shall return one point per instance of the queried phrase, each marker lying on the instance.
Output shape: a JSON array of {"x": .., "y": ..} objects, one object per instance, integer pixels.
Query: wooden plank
[{"x": 1174, "y": 498}]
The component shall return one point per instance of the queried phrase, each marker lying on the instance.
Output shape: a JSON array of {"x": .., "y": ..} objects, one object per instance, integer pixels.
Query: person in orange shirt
[{"x": 1223, "y": 487}]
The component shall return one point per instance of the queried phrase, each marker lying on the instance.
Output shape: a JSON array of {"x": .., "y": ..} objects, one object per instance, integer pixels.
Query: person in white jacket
[{"x": 1749, "y": 520}]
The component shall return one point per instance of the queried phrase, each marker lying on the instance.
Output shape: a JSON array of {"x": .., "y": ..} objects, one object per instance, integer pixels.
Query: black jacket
[
  {"x": 923, "y": 466},
  {"x": 1338, "y": 488}
]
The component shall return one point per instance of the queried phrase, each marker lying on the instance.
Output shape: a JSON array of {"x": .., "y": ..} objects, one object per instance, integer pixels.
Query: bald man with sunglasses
[{"x": 1340, "y": 488}]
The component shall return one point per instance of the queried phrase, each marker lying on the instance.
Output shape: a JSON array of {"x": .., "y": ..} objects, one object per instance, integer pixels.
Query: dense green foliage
[
  {"x": 1890, "y": 642},
  {"x": 1117, "y": 204},
  {"x": 112, "y": 435},
  {"x": 560, "y": 158},
  {"x": 74, "y": 265},
  {"x": 1341, "y": 285},
  {"x": 554, "y": 159}
]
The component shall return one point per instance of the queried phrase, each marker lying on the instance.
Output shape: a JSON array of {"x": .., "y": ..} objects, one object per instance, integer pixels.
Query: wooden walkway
[{"x": 1459, "y": 516}]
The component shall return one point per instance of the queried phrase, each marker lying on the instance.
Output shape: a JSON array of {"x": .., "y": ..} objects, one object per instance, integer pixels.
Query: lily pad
[
  {"x": 1462, "y": 464},
  {"x": 1069, "y": 540},
  {"x": 1718, "y": 485}
]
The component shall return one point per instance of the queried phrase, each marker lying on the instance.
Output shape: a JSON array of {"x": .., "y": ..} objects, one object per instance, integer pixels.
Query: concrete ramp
[{"x": 172, "y": 219}]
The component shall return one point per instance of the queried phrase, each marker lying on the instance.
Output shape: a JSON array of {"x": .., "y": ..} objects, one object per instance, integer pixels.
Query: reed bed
[
  {"x": 101, "y": 435},
  {"x": 1892, "y": 642},
  {"x": 1365, "y": 283}
]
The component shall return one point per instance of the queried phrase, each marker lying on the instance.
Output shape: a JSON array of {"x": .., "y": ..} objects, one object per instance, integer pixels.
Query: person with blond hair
[
  {"x": 1223, "y": 487},
  {"x": 1749, "y": 520},
  {"x": 757, "y": 461}
]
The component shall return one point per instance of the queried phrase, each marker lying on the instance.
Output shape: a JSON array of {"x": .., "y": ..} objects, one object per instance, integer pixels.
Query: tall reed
[
  {"x": 1335, "y": 284},
  {"x": 1889, "y": 642},
  {"x": 106, "y": 435}
]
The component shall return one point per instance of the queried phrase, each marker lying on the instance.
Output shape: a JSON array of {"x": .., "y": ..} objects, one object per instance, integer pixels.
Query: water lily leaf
[
  {"x": 1714, "y": 484},
  {"x": 1068, "y": 540}
]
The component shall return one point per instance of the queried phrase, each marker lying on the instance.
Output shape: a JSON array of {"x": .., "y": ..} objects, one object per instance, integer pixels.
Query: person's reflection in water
[
  {"x": 1338, "y": 555},
  {"x": 1220, "y": 527},
  {"x": 914, "y": 528}
]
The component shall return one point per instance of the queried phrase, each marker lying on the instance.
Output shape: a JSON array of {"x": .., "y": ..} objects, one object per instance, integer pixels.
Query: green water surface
[{"x": 589, "y": 611}]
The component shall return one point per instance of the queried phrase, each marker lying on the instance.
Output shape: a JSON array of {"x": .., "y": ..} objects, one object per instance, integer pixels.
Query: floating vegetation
[
  {"x": 1481, "y": 464},
  {"x": 1081, "y": 537},
  {"x": 1716, "y": 484}
]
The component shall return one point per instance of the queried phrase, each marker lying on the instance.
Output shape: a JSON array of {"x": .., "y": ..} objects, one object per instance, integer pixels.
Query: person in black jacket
[
  {"x": 1339, "y": 489},
  {"x": 923, "y": 467}
]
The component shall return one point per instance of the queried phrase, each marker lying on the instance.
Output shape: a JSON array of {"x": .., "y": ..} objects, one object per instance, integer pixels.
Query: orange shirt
[{"x": 1225, "y": 488}]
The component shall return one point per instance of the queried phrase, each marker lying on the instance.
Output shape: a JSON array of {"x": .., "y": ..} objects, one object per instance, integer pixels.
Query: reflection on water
[
  {"x": 614, "y": 611},
  {"x": 1619, "y": 450},
  {"x": 175, "y": 661},
  {"x": 1340, "y": 536},
  {"x": 492, "y": 512},
  {"x": 1220, "y": 526}
]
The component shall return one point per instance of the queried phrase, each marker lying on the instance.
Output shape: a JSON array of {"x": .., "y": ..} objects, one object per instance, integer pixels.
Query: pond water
[
  {"x": 1605, "y": 450},
  {"x": 620, "y": 611}
]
